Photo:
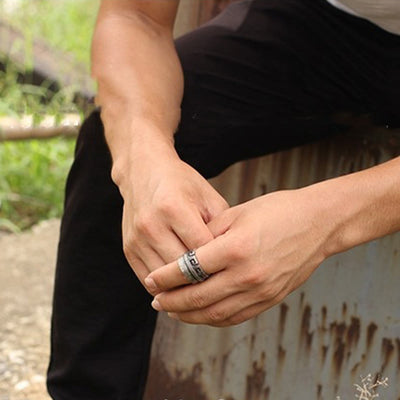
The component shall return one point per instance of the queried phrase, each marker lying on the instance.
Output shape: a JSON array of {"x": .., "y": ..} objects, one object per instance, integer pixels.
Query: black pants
[{"x": 263, "y": 76}]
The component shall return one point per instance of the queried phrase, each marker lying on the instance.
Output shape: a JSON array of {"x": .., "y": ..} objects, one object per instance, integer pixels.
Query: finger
[
  {"x": 192, "y": 230},
  {"x": 168, "y": 246},
  {"x": 221, "y": 223},
  {"x": 148, "y": 235},
  {"x": 211, "y": 256},
  {"x": 194, "y": 297},
  {"x": 149, "y": 257},
  {"x": 220, "y": 312},
  {"x": 140, "y": 269},
  {"x": 248, "y": 313}
]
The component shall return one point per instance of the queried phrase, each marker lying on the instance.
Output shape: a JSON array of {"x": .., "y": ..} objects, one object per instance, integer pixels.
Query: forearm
[
  {"x": 359, "y": 207},
  {"x": 140, "y": 83}
]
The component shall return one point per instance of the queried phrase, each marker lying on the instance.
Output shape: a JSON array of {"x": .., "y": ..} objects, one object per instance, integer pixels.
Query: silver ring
[
  {"x": 191, "y": 268},
  {"x": 185, "y": 271}
]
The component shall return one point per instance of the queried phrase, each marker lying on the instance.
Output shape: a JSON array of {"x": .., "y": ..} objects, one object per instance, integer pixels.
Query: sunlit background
[
  {"x": 44, "y": 58},
  {"x": 45, "y": 90}
]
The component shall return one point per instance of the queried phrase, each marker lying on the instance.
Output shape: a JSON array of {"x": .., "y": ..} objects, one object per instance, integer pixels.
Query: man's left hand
[{"x": 262, "y": 251}]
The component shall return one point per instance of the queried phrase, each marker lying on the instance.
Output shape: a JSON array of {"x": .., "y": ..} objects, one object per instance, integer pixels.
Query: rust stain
[
  {"x": 281, "y": 356},
  {"x": 305, "y": 335},
  {"x": 255, "y": 389},
  {"x": 319, "y": 391},
  {"x": 252, "y": 341},
  {"x": 263, "y": 188},
  {"x": 324, "y": 351},
  {"x": 372, "y": 328},
  {"x": 324, "y": 313},
  {"x": 162, "y": 385},
  {"x": 283, "y": 309},
  {"x": 387, "y": 349},
  {"x": 353, "y": 331},
  {"x": 344, "y": 309},
  {"x": 301, "y": 299},
  {"x": 356, "y": 367},
  {"x": 338, "y": 331},
  {"x": 338, "y": 355},
  {"x": 223, "y": 367},
  {"x": 281, "y": 353},
  {"x": 398, "y": 353}
]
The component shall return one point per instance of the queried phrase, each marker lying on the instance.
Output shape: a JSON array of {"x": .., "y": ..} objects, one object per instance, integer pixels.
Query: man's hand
[
  {"x": 167, "y": 204},
  {"x": 166, "y": 210},
  {"x": 267, "y": 247},
  {"x": 263, "y": 250}
]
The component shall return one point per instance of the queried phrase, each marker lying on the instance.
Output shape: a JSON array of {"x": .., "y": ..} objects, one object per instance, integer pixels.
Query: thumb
[{"x": 221, "y": 223}]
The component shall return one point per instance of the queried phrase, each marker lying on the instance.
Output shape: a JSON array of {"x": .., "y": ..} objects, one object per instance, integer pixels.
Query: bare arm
[
  {"x": 279, "y": 240},
  {"x": 363, "y": 206},
  {"x": 140, "y": 82},
  {"x": 167, "y": 204}
]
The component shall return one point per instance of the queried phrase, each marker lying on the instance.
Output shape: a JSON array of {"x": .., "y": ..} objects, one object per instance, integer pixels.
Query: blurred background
[{"x": 45, "y": 90}]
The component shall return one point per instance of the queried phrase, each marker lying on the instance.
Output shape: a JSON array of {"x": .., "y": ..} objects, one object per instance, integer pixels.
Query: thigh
[
  {"x": 102, "y": 322},
  {"x": 267, "y": 75}
]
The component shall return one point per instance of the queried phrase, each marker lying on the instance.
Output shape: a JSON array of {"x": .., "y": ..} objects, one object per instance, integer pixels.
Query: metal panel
[{"x": 343, "y": 323}]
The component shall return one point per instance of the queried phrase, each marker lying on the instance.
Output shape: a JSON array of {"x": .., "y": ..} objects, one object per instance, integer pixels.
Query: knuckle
[
  {"x": 144, "y": 224},
  {"x": 167, "y": 208},
  {"x": 215, "y": 315},
  {"x": 197, "y": 299},
  {"x": 238, "y": 319},
  {"x": 251, "y": 279},
  {"x": 268, "y": 293},
  {"x": 239, "y": 250}
]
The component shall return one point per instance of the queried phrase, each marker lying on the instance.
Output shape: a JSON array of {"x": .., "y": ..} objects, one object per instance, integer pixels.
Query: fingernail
[
  {"x": 151, "y": 285},
  {"x": 173, "y": 315},
  {"x": 156, "y": 305}
]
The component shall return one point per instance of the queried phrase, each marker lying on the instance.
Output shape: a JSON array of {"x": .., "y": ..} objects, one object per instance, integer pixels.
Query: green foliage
[
  {"x": 65, "y": 24},
  {"x": 32, "y": 180},
  {"x": 18, "y": 99},
  {"x": 33, "y": 172}
]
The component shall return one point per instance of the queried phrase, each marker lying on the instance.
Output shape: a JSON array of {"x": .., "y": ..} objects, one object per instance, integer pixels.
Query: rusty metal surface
[{"x": 343, "y": 323}]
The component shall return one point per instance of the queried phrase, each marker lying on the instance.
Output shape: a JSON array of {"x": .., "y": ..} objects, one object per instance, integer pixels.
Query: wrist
[
  {"x": 139, "y": 158},
  {"x": 137, "y": 146},
  {"x": 358, "y": 207}
]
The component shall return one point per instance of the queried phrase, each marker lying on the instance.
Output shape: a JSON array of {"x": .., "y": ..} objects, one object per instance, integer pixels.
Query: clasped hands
[{"x": 257, "y": 252}]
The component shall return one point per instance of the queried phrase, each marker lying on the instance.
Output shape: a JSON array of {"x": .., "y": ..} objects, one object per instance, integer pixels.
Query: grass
[
  {"x": 33, "y": 172},
  {"x": 17, "y": 99},
  {"x": 32, "y": 187}
]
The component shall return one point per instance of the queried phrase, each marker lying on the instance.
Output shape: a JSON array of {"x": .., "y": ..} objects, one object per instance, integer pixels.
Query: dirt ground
[{"x": 26, "y": 279}]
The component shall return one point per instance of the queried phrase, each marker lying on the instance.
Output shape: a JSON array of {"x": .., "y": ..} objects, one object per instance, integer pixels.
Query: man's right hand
[{"x": 167, "y": 205}]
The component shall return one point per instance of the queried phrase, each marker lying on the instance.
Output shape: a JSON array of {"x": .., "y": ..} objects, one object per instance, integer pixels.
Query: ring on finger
[{"x": 191, "y": 268}]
